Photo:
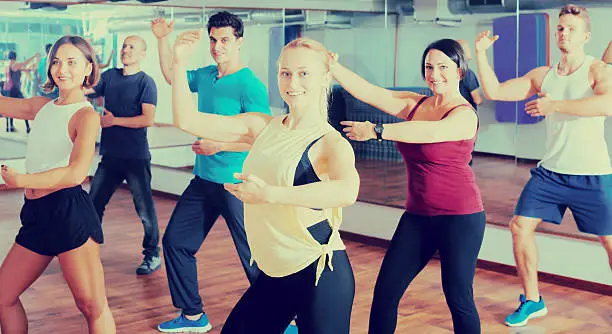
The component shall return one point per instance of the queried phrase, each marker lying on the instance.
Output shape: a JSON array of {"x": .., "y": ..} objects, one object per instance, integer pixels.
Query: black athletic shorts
[{"x": 59, "y": 222}]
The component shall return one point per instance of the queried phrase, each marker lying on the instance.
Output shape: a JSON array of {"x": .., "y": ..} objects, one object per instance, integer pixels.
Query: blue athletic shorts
[{"x": 548, "y": 194}]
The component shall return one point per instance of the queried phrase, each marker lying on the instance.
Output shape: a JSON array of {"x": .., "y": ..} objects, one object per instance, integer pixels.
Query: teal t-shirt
[
  {"x": 42, "y": 70},
  {"x": 230, "y": 95}
]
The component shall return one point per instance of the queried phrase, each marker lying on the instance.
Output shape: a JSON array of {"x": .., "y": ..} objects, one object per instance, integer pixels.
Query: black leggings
[
  {"x": 270, "y": 304},
  {"x": 458, "y": 239},
  {"x": 16, "y": 93}
]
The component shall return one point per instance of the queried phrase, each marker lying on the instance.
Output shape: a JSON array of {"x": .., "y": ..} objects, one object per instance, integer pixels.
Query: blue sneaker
[
  {"x": 291, "y": 329},
  {"x": 182, "y": 324},
  {"x": 527, "y": 310}
]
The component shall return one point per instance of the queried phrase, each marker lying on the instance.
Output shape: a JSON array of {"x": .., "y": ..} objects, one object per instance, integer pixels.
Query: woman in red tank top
[{"x": 444, "y": 209}]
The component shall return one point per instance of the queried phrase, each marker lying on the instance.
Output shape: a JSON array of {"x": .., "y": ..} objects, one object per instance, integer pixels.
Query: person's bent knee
[
  {"x": 522, "y": 226},
  {"x": 90, "y": 307},
  {"x": 169, "y": 242},
  {"x": 8, "y": 303},
  {"x": 606, "y": 241}
]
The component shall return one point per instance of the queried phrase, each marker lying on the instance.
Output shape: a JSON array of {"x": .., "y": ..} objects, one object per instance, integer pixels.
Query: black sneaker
[{"x": 148, "y": 265}]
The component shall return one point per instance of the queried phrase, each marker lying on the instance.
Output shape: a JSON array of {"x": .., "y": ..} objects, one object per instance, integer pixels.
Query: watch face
[{"x": 378, "y": 128}]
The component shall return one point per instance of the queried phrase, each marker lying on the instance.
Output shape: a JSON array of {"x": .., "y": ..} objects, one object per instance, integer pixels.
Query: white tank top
[
  {"x": 575, "y": 145},
  {"x": 49, "y": 143},
  {"x": 277, "y": 234}
]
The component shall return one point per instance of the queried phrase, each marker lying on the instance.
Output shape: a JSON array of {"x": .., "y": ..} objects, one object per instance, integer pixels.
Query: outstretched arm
[
  {"x": 23, "y": 64},
  {"x": 241, "y": 128},
  {"x": 391, "y": 102},
  {"x": 516, "y": 89},
  {"x": 21, "y": 108},
  {"x": 161, "y": 29},
  {"x": 107, "y": 64},
  {"x": 461, "y": 124}
]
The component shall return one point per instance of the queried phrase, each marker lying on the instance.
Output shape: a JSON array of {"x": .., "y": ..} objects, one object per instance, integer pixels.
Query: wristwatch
[{"x": 378, "y": 129}]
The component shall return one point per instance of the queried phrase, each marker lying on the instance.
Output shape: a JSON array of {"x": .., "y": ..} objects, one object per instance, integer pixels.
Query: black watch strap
[{"x": 378, "y": 129}]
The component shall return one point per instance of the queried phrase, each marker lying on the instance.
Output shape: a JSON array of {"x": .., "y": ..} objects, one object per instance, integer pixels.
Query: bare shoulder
[
  {"x": 37, "y": 102},
  {"x": 334, "y": 144},
  {"x": 465, "y": 116},
  {"x": 539, "y": 73},
  {"x": 255, "y": 118},
  {"x": 600, "y": 69},
  {"x": 598, "y": 64},
  {"x": 537, "y": 76},
  {"x": 87, "y": 113},
  {"x": 85, "y": 116},
  {"x": 407, "y": 95},
  {"x": 464, "y": 110}
]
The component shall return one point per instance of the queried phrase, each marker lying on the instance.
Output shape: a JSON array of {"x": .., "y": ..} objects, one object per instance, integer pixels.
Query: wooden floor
[{"x": 140, "y": 303}]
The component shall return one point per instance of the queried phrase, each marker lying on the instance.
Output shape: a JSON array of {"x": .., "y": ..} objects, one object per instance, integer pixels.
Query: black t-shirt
[
  {"x": 467, "y": 85},
  {"x": 123, "y": 97}
]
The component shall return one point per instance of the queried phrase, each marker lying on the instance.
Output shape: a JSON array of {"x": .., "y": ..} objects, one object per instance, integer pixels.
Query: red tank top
[{"x": 440, "y": 179}]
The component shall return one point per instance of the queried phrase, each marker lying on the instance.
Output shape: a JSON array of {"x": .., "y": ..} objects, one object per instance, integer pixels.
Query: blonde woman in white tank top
[
  {"x": 575, "y": 96},
  {"x": 292, "y": 230},
  {"x": 58, "y": 218}
]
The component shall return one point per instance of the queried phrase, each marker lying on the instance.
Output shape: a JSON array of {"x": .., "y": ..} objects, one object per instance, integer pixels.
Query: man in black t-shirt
[
  {"x": 130, "y": 99},
  {"x": 468, "y": 86}
]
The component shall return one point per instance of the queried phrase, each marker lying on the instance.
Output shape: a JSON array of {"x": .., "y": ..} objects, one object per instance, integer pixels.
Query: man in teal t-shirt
[
  {"x": 227, "y": 88},
  {"x": 229, "y": 95}
]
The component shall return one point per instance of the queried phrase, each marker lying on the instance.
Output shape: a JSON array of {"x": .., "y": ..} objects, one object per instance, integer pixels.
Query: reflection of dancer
[
  {"x": 58, "y": 218},
  {"x": 12, "y": 85},
  {"x": 297, "y": 175},
  {"x": 41, "y": 74},
  {"x": 575, "y": 171},
  {"x": 108, "y": 61},
  {"x": 227, "y": 88},
  {"x": 129, "y": 108},
  {"x": 444, "y": 210}
]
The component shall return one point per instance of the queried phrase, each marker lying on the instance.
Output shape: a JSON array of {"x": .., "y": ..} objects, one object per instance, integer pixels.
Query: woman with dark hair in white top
[{"x": 58, "y": 218}]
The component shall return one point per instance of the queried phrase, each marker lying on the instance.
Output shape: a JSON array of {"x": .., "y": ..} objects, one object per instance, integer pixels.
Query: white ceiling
[{"x": 11, "y": 8}]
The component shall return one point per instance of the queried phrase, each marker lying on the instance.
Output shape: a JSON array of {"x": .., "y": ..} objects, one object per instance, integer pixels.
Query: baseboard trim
[
  {"x": 161, "y": 194},
  {"x": 365, "y": 239},
  {"x": 569, "y": 282},
  {"x": 519, "y": 160}
]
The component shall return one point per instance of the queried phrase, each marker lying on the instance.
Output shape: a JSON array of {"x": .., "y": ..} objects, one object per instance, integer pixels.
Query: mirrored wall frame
[
  {"x": 384, "y": 48},
  {"x": 510, "y": 142},
  {"x": 105, "y": 26}
]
